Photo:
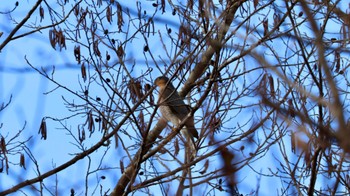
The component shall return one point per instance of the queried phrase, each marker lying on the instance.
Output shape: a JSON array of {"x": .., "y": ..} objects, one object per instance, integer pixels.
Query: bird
[{"x": 174, "y": 109}]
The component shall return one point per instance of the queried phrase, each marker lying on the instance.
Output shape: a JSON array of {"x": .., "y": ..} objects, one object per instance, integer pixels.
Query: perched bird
[{"x": 174, "y": 109}]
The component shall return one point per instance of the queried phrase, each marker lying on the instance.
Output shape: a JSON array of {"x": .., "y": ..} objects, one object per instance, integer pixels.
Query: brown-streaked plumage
[{"x": 174, "y": 109}]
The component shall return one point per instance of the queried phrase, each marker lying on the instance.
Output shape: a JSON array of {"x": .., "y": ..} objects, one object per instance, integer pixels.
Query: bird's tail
[{"x": 190, "y": 143}]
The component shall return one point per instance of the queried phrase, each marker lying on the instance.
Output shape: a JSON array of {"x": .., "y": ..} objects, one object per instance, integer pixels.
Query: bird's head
[{"x": 161, "y": 81}]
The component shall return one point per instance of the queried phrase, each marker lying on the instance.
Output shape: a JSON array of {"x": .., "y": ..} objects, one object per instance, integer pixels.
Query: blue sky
[{"x": 34, "y": 97}]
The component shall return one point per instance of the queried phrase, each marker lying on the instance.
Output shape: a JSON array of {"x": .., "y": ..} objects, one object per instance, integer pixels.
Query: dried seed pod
[
  {"x": 83, "y": 72},
  {"x": 276, "y": 20},
  {"x": 96, "y": 49},
  {"x": 3, "y": 145},
  {"x": 142, "y": 124},
  {"x": 108, "y": 57},
  {"x": 272, "y": 86},
  {"x": 52, "y": 38},
  {"x": 162, "y": 7},
  {"x": 266, "y": 26},
  {"x": 43, "y": 129},
  {"x": 109, "y": 14},
  {"x": 61, "y": 40},
  {"x": 81, "y": 134},
  {"x": 300, "y": 14},
  {"x": 91, "y": 123},
  {"x": 145, "y": 48},
  {"x": 337, "y": 60},
  {"x": 256, "y": 3},
  {"x": 41, "y": 13},
  {"x": 120, "y": 16},
  {"x": 147, "y": 88},
  {"x": 205, "y": 167},
  {"x": 292, "y": 138},
  {"x": 291, "y": 109},
  {"x": 77, "y": 9},
  {"x": 121, "y": 166},
  {"x": 120, "y": 51},
  {"x": 77, "y": 53},
  {"x": 104, "y": 122},
  {"x": 177, "y": 147},
  {"x": 22, "y": 162}
]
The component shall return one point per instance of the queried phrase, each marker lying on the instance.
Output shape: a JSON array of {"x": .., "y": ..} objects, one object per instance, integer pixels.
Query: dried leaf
[
  {"x": 135, "y": 89},
  {"x": 206, "y": 165},
  {"x": 22, "y": 162}
]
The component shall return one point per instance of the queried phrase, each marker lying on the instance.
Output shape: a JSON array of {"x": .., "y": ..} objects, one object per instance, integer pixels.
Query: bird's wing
[{"x": 176, "y": 104}]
